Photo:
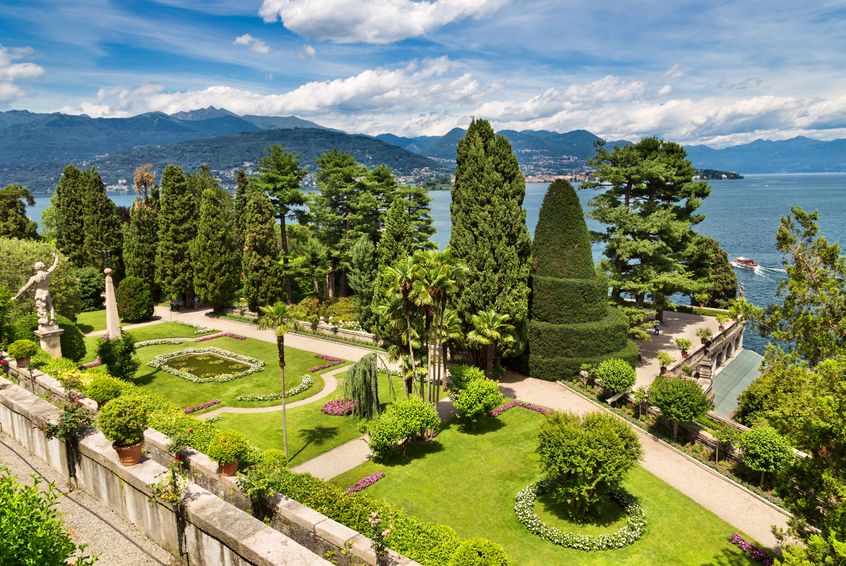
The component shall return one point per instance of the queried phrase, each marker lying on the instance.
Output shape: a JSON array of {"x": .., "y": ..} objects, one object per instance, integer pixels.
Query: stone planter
[
  {"x": 229, "y": 469},
  {"x": 684, "y": 353},
  {"x": 129, "y": 455}
]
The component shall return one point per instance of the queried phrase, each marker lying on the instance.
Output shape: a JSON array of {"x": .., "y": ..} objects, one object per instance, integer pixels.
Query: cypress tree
[
  {"x": 140, "y": 244},
  {"x": 177, "y": 229},
  {"x": 489, "y": 231},
  {"x": 239, "y": 211},
  {"x": 570, "y": 322},
  {"x": 364, "y": 275},
  {"x": 69, "y": 206},
  {"x": 215, "y": 263},
  {"x": 102, "y": 225},
  {"x": 261, "y": 256}
]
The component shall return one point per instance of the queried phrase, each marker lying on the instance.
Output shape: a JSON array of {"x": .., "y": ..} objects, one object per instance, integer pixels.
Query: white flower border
[
  {"x": 158, "y": 341},
  {"x": 160, "y": 362},
  {"x": 306, "y": 382},
  {"x": 524, "y": 507}
]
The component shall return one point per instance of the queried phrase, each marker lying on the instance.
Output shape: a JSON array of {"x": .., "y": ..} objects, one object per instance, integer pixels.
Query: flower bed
[
  {"x": 159, "y": 341},
  {"x": 331, "y": 362},
  {"x": 197, "y": 328},
  {"x": 338, "y": 407},
  {"x": 306, "y": 382},
  {"x": 510, "y": 405},
  {"x": 220, "y": 335},
  {"x": 93, "y": 364},
  {"x": 366, "y": 481},
  {"x": 751, "y": 550},
  {"x": 524, "y": 507},
  {"x": 161, "y": 362},
  {"x": 201, "y": 406}
]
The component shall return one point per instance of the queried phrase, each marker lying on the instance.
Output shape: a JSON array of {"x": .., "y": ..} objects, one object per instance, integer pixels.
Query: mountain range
[{"x": 34, "y": 147}]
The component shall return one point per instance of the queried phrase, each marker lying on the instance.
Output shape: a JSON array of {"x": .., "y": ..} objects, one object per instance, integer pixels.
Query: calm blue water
[{"x": 742, "y": 215}]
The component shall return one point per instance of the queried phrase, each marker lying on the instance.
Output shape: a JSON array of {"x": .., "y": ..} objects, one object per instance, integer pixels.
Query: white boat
[{"x": 744, "y": 263}]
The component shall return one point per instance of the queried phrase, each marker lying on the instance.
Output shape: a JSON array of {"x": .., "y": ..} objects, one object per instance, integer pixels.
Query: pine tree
[
  {"x": 570, "y": 321},
  {"x": 398, "y": 237},
  {"x": 14, "y": 222},
  {"x": 419, "y": 214},
  {"x": 489, "y": 231},
  {"x": 102, "y": 225},
  {"x": 70, "y": 215},
  {"x": 710, "y": 268},
  {"x": 177, "y": 229},
  {"x": 281, "y": 176},
  {"x": 364, "y": 275},
  {"x": 261, "y": 256},
  {"x": 215, "y": 263}
]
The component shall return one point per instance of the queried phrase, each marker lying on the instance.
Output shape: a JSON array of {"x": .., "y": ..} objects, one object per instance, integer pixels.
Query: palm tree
[
  {"x": 278, "y": 317},
  {"x": 491, "y": 329},
  {"x": 400, "y": 279}
]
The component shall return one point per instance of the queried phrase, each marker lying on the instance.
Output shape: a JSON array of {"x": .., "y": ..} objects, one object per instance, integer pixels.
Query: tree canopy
[{"x": 14, "y": 222}]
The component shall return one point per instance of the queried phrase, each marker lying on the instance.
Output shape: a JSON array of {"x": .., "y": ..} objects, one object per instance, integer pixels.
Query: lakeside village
[{"x": 226, "y": 386}]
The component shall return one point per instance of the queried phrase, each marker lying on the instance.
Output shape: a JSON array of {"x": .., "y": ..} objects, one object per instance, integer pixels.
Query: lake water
[{"x": 742, "y": 215}]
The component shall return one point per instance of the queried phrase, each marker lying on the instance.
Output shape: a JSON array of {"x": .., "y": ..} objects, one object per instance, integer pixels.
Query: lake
[{"x": 741, "y": 214}]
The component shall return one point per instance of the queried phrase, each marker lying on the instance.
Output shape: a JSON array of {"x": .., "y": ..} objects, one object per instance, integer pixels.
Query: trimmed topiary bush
[
  {"x": 119, "y": 356},
  {"x": 479, "y": 552},
  {"x": 680, "y": 400},
  {"x": 765, "y": 450},
  {"x": 570, "y": 323},
  {"x": 134, "y": 301},
  {"x": 72, "y": 340},
  {"x": 480, "y": 397},
  {"x": 22, "y": 349},
  {"x": 123, "y": 421},
  {"x": 615, "y": 375},
  {"x": 461, "y": 375},
  {"x": 402, "y": 421},
  {"x": 227, "y": 447},
  {"x": 103, "y": 388}
]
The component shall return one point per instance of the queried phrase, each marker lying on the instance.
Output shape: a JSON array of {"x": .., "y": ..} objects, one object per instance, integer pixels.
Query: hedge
[
  {"x": 563, "y": 301},
  {"x": 566, "y": 368},
  {"x": 72, "y": 340},
  {"x": 561, "y": 247},
  {"x": 581, "y": 339}
]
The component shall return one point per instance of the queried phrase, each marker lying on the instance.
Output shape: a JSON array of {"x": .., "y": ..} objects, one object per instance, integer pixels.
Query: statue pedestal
[{"x": 50, "y": 339}]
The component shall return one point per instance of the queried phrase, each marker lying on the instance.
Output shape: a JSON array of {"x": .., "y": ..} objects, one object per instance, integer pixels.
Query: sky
[{"x": 715, "y": 72}]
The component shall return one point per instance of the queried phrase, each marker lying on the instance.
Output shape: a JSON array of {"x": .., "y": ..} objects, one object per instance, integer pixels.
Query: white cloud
[
  {"x": 675, "y": 72},
  {"x": 373, "y": 21},
  {"x": 11, "y": 71},
  {"x": 665, "y": 90},
  {"x": 307, "y": 52},
  {"x": 253, "y": 44},
  {"x": 9, "y": 92}
]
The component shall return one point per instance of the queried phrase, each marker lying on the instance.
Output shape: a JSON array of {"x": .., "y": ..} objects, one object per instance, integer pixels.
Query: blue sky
[{"x": 716, "y": 72}]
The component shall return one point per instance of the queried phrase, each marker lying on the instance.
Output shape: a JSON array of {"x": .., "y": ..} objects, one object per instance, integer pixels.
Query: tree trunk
[
  {"x": 280, "y": 347},
  {"x": 283, "y": 236},
  {"x": 490, "y": 360},
  {"x": 330, "y": 284},
  {"x": 342, "y": 292},
  {"x": 762, "y": 478}
]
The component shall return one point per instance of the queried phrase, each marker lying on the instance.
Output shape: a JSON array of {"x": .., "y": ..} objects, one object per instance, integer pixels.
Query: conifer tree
[
  {"x": 489, "y": 231},
  {"x": 69, "y": 206},
  {"x": 239, "y": 211},
  {"x": 215, "y": 263},
  {"x": 364, "y": 275},
  {"x": 177, "y": 228},
  {"x": 102, "y": 225},
  {"x": 398, "y": 237},
  {"x": 419, "y": 214},
  {"x": 281, "y": 177},
  {"x": 261, "y": 255},
  {"x": 14, "y": 222},
  {"x": 140, "y": 244},
  {"x": 571, "y": 323}
]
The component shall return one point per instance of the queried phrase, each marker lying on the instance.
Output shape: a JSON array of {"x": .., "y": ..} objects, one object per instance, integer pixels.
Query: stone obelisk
[{"x": 112, "y": 318}]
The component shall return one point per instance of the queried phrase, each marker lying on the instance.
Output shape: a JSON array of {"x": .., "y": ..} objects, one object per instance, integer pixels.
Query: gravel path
[{"x": 117, "y": 541}]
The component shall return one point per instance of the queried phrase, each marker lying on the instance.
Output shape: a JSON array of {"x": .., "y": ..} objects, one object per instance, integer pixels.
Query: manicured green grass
[
  {"x": 91, "y": 321},
  {"x": 468, "y": 479}
]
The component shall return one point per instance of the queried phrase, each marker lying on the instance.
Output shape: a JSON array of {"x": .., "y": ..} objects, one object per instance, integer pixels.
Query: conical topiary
[{"x": 570, "y": 322}]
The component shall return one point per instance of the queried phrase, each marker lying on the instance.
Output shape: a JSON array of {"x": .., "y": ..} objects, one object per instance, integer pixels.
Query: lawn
[
  {"x": 91, "y": 321},
  {"x": 310, "y": 432},
  {"x": 468, "y": 479}
]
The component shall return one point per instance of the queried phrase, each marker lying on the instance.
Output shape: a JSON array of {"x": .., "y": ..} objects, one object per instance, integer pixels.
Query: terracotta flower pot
[
  {"x": 684, "y": 353},
  {"x": 129, "y": 455},
  {"x": 23, "y": 363},
  {"x": 228, "y": 469},
  {"x": 663, "y": 370}
]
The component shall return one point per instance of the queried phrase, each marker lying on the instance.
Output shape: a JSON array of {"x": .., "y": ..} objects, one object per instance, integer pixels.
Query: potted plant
[
  {"x": 227, "y": 449},
  {"x": 683, "y": 344},
  {"x": 665, "y": 359},
  {"x": 123, "y": 421},
  {"x": 704, "y": 333},
  {"x": 22, "y": 351},
  {"x": 722, "y": 319}
]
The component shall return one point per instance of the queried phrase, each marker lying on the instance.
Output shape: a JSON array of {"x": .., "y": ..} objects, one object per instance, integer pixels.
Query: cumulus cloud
[
  {"x": 11, "y": 71},
  {"x": 253, "y": 44},
  {"x": 665, "y": 90},
  {"x": 307, "y": 52},
  {"x": 675, "y": 72},
  {"x": 374, "y": 21}
]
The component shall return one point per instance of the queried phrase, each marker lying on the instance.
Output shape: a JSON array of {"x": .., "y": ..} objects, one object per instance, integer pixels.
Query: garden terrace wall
[{"x": 42, "y": 384}]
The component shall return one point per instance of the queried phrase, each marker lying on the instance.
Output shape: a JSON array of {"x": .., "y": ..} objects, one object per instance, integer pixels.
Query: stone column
[{"x": 112, "y": 319}]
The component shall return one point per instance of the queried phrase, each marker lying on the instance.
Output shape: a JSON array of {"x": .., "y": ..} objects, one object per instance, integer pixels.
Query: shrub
[
  {"x": 134, "y": 301},
  {"x": 665, "y": 359},
  {"x": 119, "y": 356},
  {"x": 92, "y": 285},
  {"x": 585, "y": 457},
  {"x": 615, "y": 375},
  {"x": 103, "y": 388},
  {"x": 403, "y": 420},
  {"x": 479, "y": 552},
  {"x": 22, "y": 349},
  {"x": 72, "y": 340},
  {"x": 33, "y": 531},
  {"x": 704, "y": 332},
  {"x": 461, "y": 375},
  {"x": 341, "y": 310},
  {"x": 722, "y": 318},
  {"x": 683, "y": 344},
  {"x": 680, "y": 400},
  {"x": 227, "y": 447},
  {"x": 765, "y": 450},
  {"x": 123, "y": 421},
  {"x": 480, "y": 397}
]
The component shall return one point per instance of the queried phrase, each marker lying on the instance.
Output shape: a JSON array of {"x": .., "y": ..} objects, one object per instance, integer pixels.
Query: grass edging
[{"x": 679, "y": 452}]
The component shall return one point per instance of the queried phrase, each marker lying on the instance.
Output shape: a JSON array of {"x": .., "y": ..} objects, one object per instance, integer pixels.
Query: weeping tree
[{"x": 361, "y": 386}]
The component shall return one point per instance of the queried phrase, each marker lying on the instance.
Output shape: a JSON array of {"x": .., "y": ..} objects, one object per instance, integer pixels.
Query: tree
[
  {"x": 69, "y": 203},
  {"x": 91, "y": 288},
  {"x": 214, "y": 257},
  {"x": 144, "y": 180},
  {"x": 419, "y": 214},
  {"x": 615, "y": 375},
  {"x": 281, "y": 176},
  {"x": 403, "y": 420},
  {"x": 177, "y": 228},
  {"x": 489, "y": 231},
  {"x": 141, "y": 242},
  {"x": 277, "y": 317},
  {"x": 119, "y": 357},
  {"x": 261, "y": 256},
  {"x": 239, "y": 211},
  {"x": 765, "y": 450},
  {"x": 395, "y": 244},
  {"x": 399, "y": 311},
  {"x": 649, "y": 209},
  {"x": 134, "y": 301},
  {"x": 102, "y": 225},
  {"x": 364, "y": 277},
  {"x": 710, "y": 267},
  {"x": 14, "y": 222},
  {"x": 680, "y": 400},
  {"x": 480, "y": 397},
  {"x": 491, "y": 331},
  {"x": 570, "y": 322},
  {"x": 361, "y": 387},
  {"x": 585, "y": 457}
]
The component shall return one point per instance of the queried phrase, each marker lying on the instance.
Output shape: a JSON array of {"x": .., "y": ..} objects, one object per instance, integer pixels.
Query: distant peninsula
[{"x": 715, "y": 175}]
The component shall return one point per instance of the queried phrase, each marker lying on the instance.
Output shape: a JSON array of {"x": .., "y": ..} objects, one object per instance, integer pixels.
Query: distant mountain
[
  {"x": 795, "y": 155},
  {"x": 281, "y": 122},
  {"x": 203, "y": 114}
]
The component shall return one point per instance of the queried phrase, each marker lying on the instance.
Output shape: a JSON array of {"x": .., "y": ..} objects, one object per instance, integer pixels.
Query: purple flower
[
  {"x": 751, "y": 550},
  {"x": 220, "y": 335},
  {"x": 93, "y": 364},
  {"x": 200, "y": 407},
  {"x": 338, "y": 407},
  {"x": 331, "y": 361},
  {"x": 517, "y": 403},
  {"x": 366, "y": 481}
]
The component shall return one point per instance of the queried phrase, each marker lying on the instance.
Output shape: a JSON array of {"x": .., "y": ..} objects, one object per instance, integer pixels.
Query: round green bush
[
  {"x": 123, "y": 421},
  {"x": 480, "y": 397},
  {"x": 227, "y": 447},
  {"x": 104, "y": 388},
  {"x": 134, "y": 301},
  {"x": 22, "y": 349},
  {"x": 765, "y": 450},
  {"x": 479, "y": 552},
  {"x": 119, "y": 356},
  {"x": 72, "y": 340},
  {"x": 461, "y": 375},
  {"x": 615, "y": 375},
  {"x": 401, "y": 421}
]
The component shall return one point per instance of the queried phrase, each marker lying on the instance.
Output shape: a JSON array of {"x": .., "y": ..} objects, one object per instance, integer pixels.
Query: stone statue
[{"x": 43, "y": 302}]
